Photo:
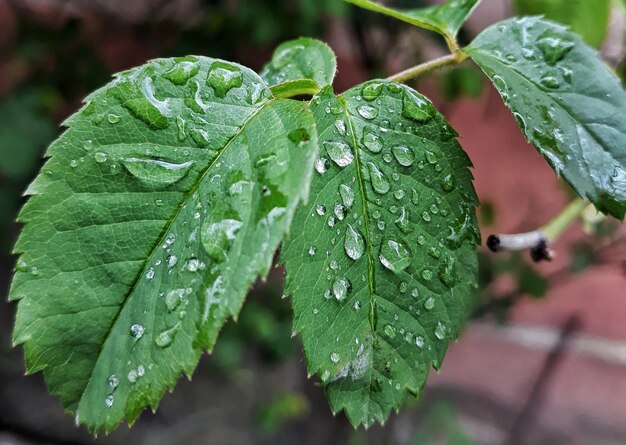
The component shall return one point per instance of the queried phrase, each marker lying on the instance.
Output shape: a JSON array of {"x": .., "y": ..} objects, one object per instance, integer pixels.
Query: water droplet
[
  {"x": 339, "y": 152},
  {"x": 371, "y": 140},
  {"x": 427, "y": 274},
  {"x": 378, "y": 180},
  {"x": 132, "y": 376},
  {"x": 150, "y": 274},
  {"x": 320, "y": 210},
  {"x": 223, "y": 77},
  {"x": 108, "y": 401},
  {"x": 312, "y": 250},
  {"x": 171, "y": 261},
  {"x": 339, "y": 211},
  {"x": 371, "y": 90},
  {"x": 431, "y": 157},
  {"x": 136, "y": 331},
  {"x": 347, "y": 195},
  {"x": 440, "y": 331},
  {"x": 341, "y": 288},
  {"x": 354, "y": 243},
  {"x": 340, "y": 125},
  {"x": 416, "y": 107},
  {"x": 174, "y": 298},
  {"x": 194, "y": 264},
  {"x": 419, "y": 341},
  {"x": 367, "y": 112},
  {"x": 448, "y": 274},
  {"x": 403, "y": 221},
  {"x": 448, "y": 183},
  {"x": 113, "y": 381},
  {"x": 321, "y": 165},
  {"x": 113, "y": 118},
  {"x": 299, "y": 136},
  {"x": 394, "y": 256},
  {"x": 100, "y": 157},
  {"x": 334, "y": 357},
  {"x": 404, "y": 155},
  {"x": 182, "y": 72},
  {"x": 217, "y": 237},
  {"x": 165, "y": 338},
  {"x": 554, "y": 47},
  {"x": 429, "y": 304},
  {"x": 357, "y": 305},
  {"x": 389, "y": 331},
  {"x": 550, "y": 82},
  {"x": 398, "y": 194},
  {"x": 426, "y": 216},
  {"x": 155, "y": 172}
]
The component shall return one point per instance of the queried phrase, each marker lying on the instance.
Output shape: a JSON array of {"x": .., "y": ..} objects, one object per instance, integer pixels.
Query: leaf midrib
[{"x": 163, "y": 237}]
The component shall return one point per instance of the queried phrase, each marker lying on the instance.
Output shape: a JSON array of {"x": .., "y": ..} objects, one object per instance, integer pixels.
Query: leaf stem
[
  {"x": 416, "y": 71},
  {"x": 554, "y": 228}
]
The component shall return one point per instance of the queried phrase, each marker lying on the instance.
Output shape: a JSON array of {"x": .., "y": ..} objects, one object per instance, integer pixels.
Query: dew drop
[
  {"x": 340, "y": 125},
  {"x": 378, "y": 180},
  {"x": 404, "y": 155},
  {"x": 429, "y": 304},
  {"x": 339, "y": 152},
  {"x": 100, "y": 157},
  {"x": 394, "y": 256},
  {"x": 389, "y": 331},
  {"x": 341, "y": 288},
  {"x": 165, "y": 338},
  {"x": 403, "y": 221},
  {"x": 367, "y": 112},
  {"x": 372, "y": 140},
  {"x": 223, "y": 77},
  {"x": 416, "y": 107},
  {"x": 150, "y": 274},
  {"x": 155, "y": 172},
  {"x": 136, "y": 331},
  {"x": 182, "y": 72},
  {"x": 334, "y": 357},
  {"x": 371, "y": 90},
  {"x": 354, "y": 243},
  {"x": 108, "y": 401},
  {"x": 347, "y": 195},
  {"x": 218, "y": 236},
  {"x": 113, "y": 381},
  {"x": 427, "y": 274},
  {"x": 440, "y": 331}
]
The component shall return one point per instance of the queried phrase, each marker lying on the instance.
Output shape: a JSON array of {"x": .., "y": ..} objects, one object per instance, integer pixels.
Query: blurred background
[{"x": 542, "y": 362}]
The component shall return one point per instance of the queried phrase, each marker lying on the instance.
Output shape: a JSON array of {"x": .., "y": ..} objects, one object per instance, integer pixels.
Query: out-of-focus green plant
[{"x": 588, "y": 18}]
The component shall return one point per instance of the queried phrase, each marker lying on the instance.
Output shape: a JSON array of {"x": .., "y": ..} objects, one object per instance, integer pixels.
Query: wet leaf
[
  {"x": 155, "y": 212},
  {"x": 566, "y": 101},
  {"x": 382, "y": 262}
]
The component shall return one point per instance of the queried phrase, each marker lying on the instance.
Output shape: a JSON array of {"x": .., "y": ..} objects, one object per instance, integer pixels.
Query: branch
[
  {"x": 418, "y": 70},
  {"x": 538, "y": 240}
]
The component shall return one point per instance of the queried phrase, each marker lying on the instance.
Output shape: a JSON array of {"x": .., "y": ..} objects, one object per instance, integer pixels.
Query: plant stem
[
  {"x": 418, "y": 70},
  {"x": 554, "y": 228}
]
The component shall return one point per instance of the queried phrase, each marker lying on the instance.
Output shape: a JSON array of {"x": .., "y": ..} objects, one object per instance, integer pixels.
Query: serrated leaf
[
  {"x": 301, "y": 59},
  {"x": 589, "y": 19},
  {"x": 567, "y": 102},
  {"x": 157, "y": 209},
  {"x": 382, "y": 261},
  {"x": 445, "y": 19}
]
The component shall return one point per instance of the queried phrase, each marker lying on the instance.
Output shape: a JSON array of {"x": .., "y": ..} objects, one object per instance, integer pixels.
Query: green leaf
[
  {"x": 567, "y": 102},
  {"x": 445, "y": 19},
  {"x": 156, "y": 211},
  {"x": 301, "y": 59},
  {"x": 382, "y": 262},
  {"x": 589, "y": 19}
]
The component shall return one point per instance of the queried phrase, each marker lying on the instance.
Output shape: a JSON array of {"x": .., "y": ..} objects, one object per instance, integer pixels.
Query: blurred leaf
[
  {"x": 589, "y": 18},
  {"x": 283, "y": 408},
  {"x": 531, "y": 282},
  {"x": 25, "y": 129},
  {"x": 460, "y": 82},
  {"x": 441, "y": 426}
]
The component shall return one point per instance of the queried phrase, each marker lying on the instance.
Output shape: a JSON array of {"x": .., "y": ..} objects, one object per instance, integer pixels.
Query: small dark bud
[
  {"x": 493, "y": 243},
  {"x": 541, "y": 252}
]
